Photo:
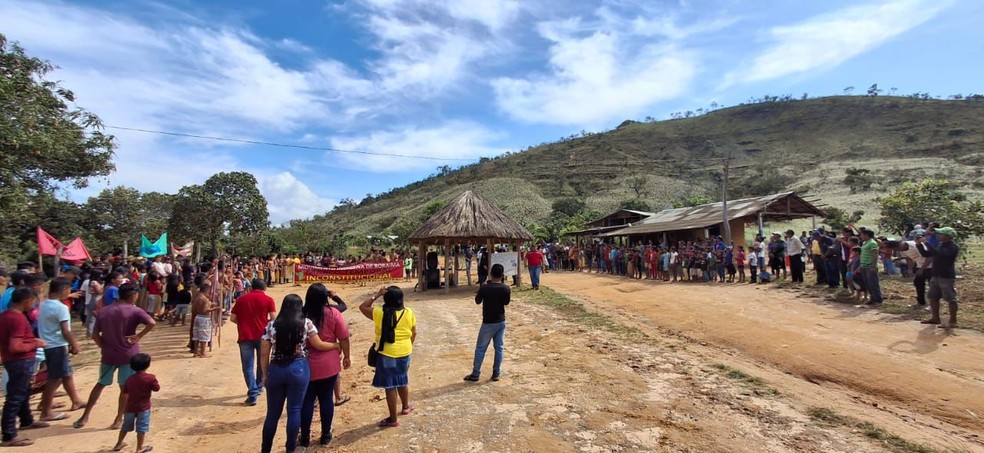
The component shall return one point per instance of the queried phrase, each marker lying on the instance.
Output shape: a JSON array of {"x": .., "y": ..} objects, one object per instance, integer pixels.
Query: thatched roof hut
[{"x": 470, "y": 218}]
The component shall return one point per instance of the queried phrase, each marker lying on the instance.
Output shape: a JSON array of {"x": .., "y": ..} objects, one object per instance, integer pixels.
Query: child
[
  {"x": 238, "y": 286},
  {"x": 753, "y": 266},
  {"x": 182, "y": 303},
  {"x": 854, "y": 275},
  {"x": 138, "y": 388},
  {"x": 18, "y": 348},
  {"x": 741, "y": 264},
  {"x": 201, "y": 315}
]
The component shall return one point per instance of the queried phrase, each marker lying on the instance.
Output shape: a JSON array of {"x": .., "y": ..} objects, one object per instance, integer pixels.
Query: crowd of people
[{"x": 849, "y": 259}]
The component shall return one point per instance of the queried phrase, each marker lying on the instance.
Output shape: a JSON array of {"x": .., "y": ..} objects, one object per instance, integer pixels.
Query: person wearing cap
[
  {"x": 869, "y": 266},
  {"x": 944, "y": 273}
]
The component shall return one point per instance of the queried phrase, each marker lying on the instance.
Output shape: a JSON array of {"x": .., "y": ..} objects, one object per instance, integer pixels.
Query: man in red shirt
[
  {"x": 534, "y": 260},
  {"x": 251, "y": 314},
  {"x": 18, "y": 348}
]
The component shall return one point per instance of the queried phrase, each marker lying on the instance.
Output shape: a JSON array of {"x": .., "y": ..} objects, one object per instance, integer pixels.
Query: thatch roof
[{"x": 467, "y": 218}]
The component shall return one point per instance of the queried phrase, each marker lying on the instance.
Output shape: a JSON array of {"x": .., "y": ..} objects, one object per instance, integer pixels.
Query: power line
[{"x": 282, "y": 145}]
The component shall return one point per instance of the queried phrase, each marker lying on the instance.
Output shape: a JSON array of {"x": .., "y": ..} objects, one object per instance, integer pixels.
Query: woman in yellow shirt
[{"x": 396, "y": 331}]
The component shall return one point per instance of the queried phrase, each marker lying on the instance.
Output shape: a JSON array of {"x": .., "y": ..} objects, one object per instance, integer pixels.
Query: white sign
[{"x": 509, "y": 262}]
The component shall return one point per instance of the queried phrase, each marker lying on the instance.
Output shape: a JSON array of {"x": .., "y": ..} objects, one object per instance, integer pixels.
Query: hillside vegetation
[{"x": 802, "y": 145}]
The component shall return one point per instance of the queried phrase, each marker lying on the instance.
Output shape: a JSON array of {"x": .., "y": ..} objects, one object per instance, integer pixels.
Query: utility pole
[{"x": 726, "y": 226}]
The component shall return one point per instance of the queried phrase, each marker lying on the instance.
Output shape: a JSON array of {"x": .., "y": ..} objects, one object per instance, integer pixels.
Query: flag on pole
[
  {"x": 47, "y": 244},
  {"x": 75, "y": 251},
  {"x": 185, "y": 250},
  {"x": 157, "y": 248}
]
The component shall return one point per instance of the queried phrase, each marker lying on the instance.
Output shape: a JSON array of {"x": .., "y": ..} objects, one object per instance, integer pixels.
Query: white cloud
[
  {"x": 454, "y": 140},
  {"x": 289, "y": 198},
  {"x": 830, "y": 39},
  {"x": 493, "y": 14},
  {"x": 596, "y": 76}
]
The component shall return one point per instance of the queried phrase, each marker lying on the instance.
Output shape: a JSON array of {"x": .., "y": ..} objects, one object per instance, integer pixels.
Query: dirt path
[
  {"x": 919, "y": 381},
  {"x": 567, "y": 387}
]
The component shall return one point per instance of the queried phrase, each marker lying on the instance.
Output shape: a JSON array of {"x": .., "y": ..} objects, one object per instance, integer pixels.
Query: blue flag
[{"x": 150, "y": 250}]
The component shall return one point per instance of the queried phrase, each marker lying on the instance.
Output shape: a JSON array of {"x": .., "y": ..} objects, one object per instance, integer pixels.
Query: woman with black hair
[
  {"x": 396, "y": 331},
  {"x": 325, "y": 365},
  {"x": 285, "y": 370}
]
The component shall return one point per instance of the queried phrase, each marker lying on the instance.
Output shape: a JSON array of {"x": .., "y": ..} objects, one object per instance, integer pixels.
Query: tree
[
  {"x": 569, "y": 207},
  {"x": 117, "y": 215},
  {"x": 227, "y": 204},
  {"x": 838, "y": 218},
  {"x": 693, "y": 200},
  {"x": 636, "y": 205},
  {"x": 873, "y": 90},
  {"x": 931, "y": 200},
  {"x": 858, "y": 179},
  {"x": 44, "y": 140},
  {"x": 849, "y": 90},
  {"x": 638, "y": 185}
]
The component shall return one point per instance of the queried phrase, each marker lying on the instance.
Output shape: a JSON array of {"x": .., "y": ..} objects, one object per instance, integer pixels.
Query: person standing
[
  {"x": 138, "y": 389},
  {"x": 116, "y": 335},
  {"x": 493, "y": 298},
  {"x": 869, "y": 266},
  {"x": 396, "y": 332},
  {"x": 408, "y": 267},
  {"x": 483, "y": 265},
  {"x": 794, "y": 250},
  {"x": 534, "y": 261},
  {"x": 943, "y": 283},
  {"x": 18, "y": 350},
  {"x": 55, "y": 328},
  {"x": 251, "y": 314},
  {"x": 284, "y": 364},
  {"x": 911, "y": 251},
  {"x": 326, "y": 366}
]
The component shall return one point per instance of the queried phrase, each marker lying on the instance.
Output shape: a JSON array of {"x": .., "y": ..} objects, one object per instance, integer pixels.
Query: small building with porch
[{"x": 700, "y": 222}]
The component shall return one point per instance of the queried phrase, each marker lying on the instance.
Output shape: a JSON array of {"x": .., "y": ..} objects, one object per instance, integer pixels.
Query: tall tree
[
  {"x": 45, "y": 141},
  {"x": 117, "y": 216},
  {"x": 227, "y": 204}
]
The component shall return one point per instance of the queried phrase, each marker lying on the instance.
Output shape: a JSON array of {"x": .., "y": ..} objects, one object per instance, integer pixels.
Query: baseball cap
[
  {"x": 919, "y": 233},
  {"x": 947, "y": 231}
]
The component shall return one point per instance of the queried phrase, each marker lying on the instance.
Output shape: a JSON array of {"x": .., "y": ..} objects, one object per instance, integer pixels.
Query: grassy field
[{"x": 801, "y": 145}]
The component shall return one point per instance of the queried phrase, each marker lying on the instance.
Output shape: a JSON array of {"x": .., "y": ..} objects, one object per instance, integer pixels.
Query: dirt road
[{"x": 672, "y": 386}]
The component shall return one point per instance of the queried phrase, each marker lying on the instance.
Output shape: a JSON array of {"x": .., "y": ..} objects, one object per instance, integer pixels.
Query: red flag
[
  {"x": 75, "y": 252},
  {"x": 47, "y": 244}
]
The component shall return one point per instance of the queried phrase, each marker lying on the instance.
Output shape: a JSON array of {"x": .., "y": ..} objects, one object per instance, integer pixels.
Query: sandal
[
  {"x": 21, "y": 442},
  {"x": 387, "y": 423},
  {"x": 55, "y": 418},
  {"x": 407, "y": 411},
  {"x": 36, "y": 425},
  {"x": 342, "y": 401}
]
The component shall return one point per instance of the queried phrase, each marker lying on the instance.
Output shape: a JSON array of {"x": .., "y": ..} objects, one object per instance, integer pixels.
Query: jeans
[
  {"x": 17, "y": 403},
  {"x": 249, "y": 352},
  {"x": 535, "y": 276},
  {"x": 872, "y": 285},
  {"x": 495, "y": 333},
  {"x": 833, "y": 272},
  {"x": 796, "y": 267},
  {"x": 889, "y": 266},
  {"x": 285, "y": 383},
  {"x": 324, "y": 391},
  {"x": 922, "y": 276}
]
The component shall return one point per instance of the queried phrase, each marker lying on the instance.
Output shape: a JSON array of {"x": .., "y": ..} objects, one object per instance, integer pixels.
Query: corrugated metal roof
[{"x": 710, "y": 214}]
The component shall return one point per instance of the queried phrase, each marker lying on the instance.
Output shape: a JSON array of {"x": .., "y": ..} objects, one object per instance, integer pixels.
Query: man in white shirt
[
  {"x": 794, "y": 250},
  {"x": 921, "y": 266},
  {"x": 158, "y": 266}
]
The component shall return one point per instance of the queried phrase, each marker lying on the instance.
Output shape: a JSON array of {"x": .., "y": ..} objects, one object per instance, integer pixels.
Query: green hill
[{"x": 804, "y": 145}]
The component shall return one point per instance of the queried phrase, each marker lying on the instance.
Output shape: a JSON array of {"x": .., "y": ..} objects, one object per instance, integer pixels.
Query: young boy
[
  {"x": 753, "y": 265},
  {"x": 138, "y": 388},
  {"x": 182, "y": 303},
  {"x": 18, "y": 348},
  {"x": 201, "y": 312},
  {"x": 55, "y": 328}
]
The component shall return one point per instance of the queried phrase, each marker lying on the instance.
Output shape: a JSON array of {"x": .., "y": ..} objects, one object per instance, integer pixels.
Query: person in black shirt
[
  {"x": 493, "y": 296},
  {"x": 943, "y": 284}
]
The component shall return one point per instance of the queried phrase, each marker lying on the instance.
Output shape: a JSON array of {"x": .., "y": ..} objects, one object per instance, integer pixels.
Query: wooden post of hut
[
  {"x": 447, "y": 266},
  {"x": 422, "y": 265},
  {"x": 519, "y": 264}
]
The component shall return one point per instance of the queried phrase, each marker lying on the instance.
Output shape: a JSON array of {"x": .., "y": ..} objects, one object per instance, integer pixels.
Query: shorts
[
  {"x": 59, "y": 364},
  {"x": 943, "y": 288},
  {"x": 106, "y": 374},
  {"x": 407, "y": 271},
  {"x": 203, "y": 328},
  {"x": 181, "y": 310},
  {"x": 138, "y": 420}
]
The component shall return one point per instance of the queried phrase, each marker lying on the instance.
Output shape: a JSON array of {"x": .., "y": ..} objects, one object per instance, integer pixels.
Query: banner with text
[{"x": 306, "y": 273}]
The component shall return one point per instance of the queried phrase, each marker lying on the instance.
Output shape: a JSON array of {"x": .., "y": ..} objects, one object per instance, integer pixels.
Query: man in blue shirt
[{"x": 55, "y": 328}]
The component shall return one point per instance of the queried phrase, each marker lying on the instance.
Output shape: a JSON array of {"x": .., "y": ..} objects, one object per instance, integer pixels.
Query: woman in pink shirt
[{"x": 325, "y": 365}]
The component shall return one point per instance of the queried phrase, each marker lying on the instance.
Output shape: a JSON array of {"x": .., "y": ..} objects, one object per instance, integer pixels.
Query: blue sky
[{"x": 453, "y": 79}]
